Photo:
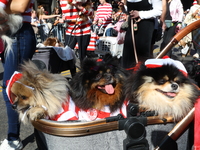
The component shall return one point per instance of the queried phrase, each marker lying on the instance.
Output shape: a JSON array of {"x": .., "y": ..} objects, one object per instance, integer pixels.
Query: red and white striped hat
[
  {"x": 155, "y": 63},
  {"x": 195, "y": 2},
  {"x": 16, "y": 76},
  {"x": 3, "y": 3}
]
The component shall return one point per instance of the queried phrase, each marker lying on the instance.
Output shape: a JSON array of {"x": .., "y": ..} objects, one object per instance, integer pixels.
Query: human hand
[
  {"x": 134, "y": 14},
  {"x": 178, "y": 27},
  {"x": 94, "y": 22},
  {"x": 100, "y": 21}
]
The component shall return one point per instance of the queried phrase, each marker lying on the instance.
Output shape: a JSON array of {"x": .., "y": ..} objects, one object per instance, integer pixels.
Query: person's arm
[
  {"x": 17, "y": 6},
  {"x": 148, "y": 14},
  {"x": 49, "y": 16},
  {"x": 155, "y": 12},
  {"x": 164, "y": 9},
  {"x": 162, "y": 17}
]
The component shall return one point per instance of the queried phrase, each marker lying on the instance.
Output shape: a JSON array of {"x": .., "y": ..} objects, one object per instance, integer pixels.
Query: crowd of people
[
  {"x": 109, "y": 18},
  {"x": 74, "y": 22}
]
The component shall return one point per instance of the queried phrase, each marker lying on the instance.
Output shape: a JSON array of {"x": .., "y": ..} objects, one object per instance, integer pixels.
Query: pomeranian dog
[
  {"x": 37, "y": 94},
  {"x": 13, "y": 23},
  {"x": 99, "y": 83},
  {"x": 162, "y": 85}
]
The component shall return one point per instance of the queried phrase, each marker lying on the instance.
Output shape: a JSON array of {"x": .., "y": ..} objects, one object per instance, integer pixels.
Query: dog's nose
[
  {"x": 174, "y": 86},
  {"x": 14, "y": 106}
]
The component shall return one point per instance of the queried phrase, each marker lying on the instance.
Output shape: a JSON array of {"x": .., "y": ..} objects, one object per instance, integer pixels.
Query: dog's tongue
[
  {"x": 171, "y": 94},
  {"x": 109, "y": 89}
]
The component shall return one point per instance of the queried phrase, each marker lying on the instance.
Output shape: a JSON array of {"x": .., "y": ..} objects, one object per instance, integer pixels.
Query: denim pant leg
[{"x": 23, "y": 49}]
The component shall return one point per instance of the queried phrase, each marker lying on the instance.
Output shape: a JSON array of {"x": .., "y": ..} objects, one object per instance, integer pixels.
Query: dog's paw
[{"x": 36, "y": 113}]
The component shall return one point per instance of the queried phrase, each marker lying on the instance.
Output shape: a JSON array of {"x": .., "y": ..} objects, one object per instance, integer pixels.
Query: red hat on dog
[
  {"x": 16, "y": 76},
  {"x": 155, "y": 63}
]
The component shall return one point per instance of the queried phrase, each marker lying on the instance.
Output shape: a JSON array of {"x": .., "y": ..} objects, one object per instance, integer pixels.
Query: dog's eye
[
  {"x": 178, "y": 81},
  {"x": 98, "y": 76},
  {"x": 23, "y": 97},
  {"x": 162, "y": 81}
]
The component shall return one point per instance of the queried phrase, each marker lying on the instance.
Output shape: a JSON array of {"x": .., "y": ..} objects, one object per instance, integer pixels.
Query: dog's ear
[
  {"x": 88, "y": 64},
  {"x": 109, "y": 59}
]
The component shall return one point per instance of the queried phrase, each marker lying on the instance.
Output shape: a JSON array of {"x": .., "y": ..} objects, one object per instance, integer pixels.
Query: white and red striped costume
[
  {"x": 71, "y": 13},
  {"x": 104, "y": 13},
  {"x": 71, "y": 112}
]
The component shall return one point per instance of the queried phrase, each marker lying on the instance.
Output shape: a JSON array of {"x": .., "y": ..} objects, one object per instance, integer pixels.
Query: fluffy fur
[
  {"x": 99, "y": 83},
  {"x": 49, "y": 93},
  {"x": 164, "y": 90},
  {"x": 14, "y": 22}
]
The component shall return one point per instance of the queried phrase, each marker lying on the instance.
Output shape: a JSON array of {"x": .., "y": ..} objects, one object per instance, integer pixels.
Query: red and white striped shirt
[
  {"x": 27, "y": 14},
  {"x": 77, "y": 26},
  {"x": 71, "y": 112},
  {"x": 104, "y": 13}
]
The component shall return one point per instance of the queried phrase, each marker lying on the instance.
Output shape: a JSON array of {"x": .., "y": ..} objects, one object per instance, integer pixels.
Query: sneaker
[
  {"x": 11, "y": 145},
  {"x": 196, "y": 55}
]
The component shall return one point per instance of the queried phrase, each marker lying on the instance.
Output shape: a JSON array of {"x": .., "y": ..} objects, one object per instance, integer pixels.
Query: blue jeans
[{"x": 23, "y": 49}]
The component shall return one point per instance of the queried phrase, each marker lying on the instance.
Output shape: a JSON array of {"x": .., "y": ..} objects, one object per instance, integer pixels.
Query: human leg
[
  {"x": 23, "y": 49},
  {"x": 83, "y": 42},
  {"x": 196, "y": 42}
]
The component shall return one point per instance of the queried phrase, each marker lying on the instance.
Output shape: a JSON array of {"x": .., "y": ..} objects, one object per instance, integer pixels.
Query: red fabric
[
  {"x": 16, "y": 76},
  {"x": 153, "y": 66},
  {"x": 1, "y": 46},
  {"x": 3, "y": 3},
  {"x": 70, "y": 111},
  {"x": 197, "y": 126}
]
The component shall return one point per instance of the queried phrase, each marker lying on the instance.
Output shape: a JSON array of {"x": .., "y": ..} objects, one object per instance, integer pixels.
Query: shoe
[
  {"x": 196, "y": 55},
  {"x": 11, "y": 145}
]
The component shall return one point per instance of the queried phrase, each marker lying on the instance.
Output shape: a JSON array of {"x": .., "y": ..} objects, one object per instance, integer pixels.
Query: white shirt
[{"x": 155, "y": 12}]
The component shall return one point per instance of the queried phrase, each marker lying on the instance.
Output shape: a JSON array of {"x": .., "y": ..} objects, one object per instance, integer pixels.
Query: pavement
[{"x": 26, "y": 133}]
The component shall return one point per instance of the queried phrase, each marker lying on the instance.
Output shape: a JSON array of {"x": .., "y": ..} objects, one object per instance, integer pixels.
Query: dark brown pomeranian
[
  {"x": 162, "y": 85},
  {"x": 99, "y": 83}
]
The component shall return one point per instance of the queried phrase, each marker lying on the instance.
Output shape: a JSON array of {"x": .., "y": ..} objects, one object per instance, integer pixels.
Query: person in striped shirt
[
  {"x": 103, "y": 15},
  {"x": 78, "y": 28},
  {"x": 23, "y": 48}
]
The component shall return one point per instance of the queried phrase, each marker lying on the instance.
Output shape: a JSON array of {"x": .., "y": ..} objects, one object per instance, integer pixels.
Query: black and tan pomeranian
[
  {"x": 99, "y": 83},
  {"x": 162, "y": 85}
]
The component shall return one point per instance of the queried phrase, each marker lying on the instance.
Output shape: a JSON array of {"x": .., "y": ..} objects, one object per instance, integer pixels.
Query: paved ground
[{"x": 27, "y": 135}]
